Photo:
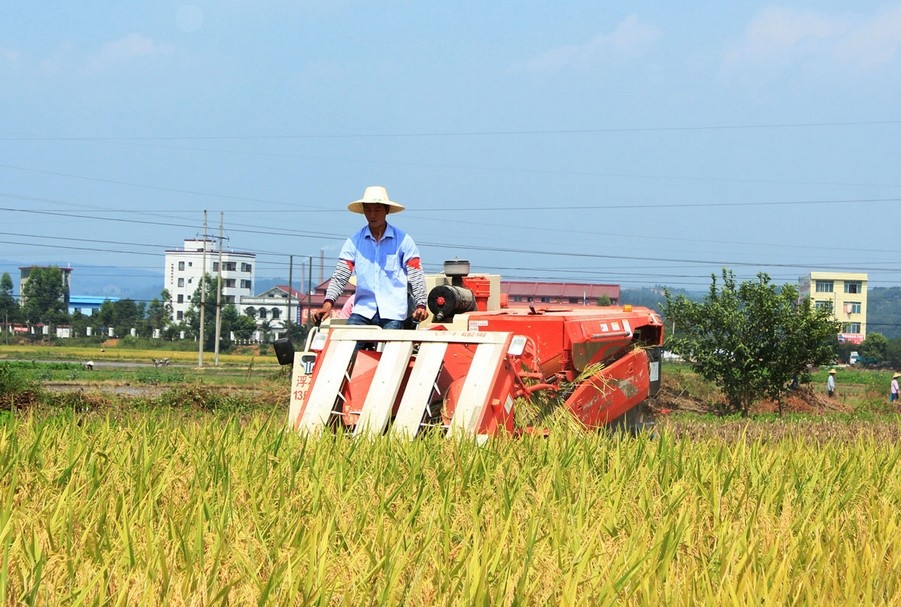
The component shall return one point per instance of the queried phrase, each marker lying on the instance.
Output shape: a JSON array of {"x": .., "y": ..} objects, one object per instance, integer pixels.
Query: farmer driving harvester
[{"x": 384, "y": 259}]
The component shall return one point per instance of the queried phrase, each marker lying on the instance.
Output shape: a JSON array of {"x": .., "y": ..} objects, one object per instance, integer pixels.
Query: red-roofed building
[{"x": 525, "y": 293}]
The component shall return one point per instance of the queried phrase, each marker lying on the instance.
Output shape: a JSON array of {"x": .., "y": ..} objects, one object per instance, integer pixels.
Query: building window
[
  {"x": 246, "y": 284},
  {"x": 180, "y": 315},
  {"x": 824, "y": 286},
  {"x": 181, "y": 282},
  {"x": 263, "y": 313},
  {"x": 229, "y": 283},
  {"x": 229, "y": 299},
  {"x": 181, "y": 298},
  {"x": 250, "y": 311},
  {"x": 854, "y": 286},
  {"x": 823, "y": 305},
  {"x": 276, "y": 313},
  {"x": 246, "y": 267},
  {"x": 215, "y": 266},
  {"x": 229, "y": 266},
  {"x": 852, "y": 327},
  {"x": 852, "y": 307},
  {"x": 181, "y": 265}
]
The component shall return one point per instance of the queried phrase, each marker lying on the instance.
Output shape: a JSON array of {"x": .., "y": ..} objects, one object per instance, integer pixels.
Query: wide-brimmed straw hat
[
  {"x": 896, "y": 375},
  {"x": 375, "y": 194},
  {"x": 831, "y": 370}
]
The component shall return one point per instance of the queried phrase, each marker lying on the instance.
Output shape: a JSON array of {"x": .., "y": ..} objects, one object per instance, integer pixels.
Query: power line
[{"x": 437, "y": 134}]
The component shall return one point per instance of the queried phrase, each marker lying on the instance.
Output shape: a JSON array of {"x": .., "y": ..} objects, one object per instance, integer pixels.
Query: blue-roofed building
[{"x": 87, "y": 304}]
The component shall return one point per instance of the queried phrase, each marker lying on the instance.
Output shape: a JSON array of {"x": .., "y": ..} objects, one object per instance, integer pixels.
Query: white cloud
[
  {"x": 125, "y": 50},
  {"x": 784, "y": 36},
  {"x": 630, "y": 39}
]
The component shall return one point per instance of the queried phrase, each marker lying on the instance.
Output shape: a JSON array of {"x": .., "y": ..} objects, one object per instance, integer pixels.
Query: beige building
[{"x": 845, "y": 295}]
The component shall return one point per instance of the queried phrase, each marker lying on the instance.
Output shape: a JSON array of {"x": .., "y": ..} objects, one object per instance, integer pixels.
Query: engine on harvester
[{"x": 465, "y": 370}]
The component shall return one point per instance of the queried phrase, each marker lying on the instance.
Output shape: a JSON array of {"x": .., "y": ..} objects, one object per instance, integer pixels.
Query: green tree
[
  {"x": 874, "y": 347},
  {"x": 45, "y": 297},
  {"x": 9, "y": 307},
  {"x": 159, "y": 313},
  {"x": 242, "y": 326},
  {"x": 229, "y": 317},
  {"x": 752, "y": 340},
  {"x": 122, "y": 315},
  {"x": 297, "y": 333},
  {"x": 893, "y": 353}
]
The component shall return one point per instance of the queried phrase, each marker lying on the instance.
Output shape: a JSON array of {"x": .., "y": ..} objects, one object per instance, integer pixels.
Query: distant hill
[
  {"x": 124, "y": 283},
  {"x": 652, "y": 297},
  {"x": 884, "y": 311}
]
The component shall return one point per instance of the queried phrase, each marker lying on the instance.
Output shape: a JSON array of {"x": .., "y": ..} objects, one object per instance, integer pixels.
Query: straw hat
[
  {"x": 831, "y": 371},
  {"x": 375, "y": 194},
  {"x": 896, "y": 375}
]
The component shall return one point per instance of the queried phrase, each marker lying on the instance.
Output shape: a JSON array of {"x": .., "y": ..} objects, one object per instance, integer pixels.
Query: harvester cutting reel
[{"x": 456, "y": 382}]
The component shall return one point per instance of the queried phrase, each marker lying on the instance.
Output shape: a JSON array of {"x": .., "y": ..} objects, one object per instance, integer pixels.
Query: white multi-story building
[{"x": 184, "y": 268}]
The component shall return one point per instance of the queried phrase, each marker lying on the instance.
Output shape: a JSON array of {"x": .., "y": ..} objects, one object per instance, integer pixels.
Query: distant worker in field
[
  {"x": 893, "y": 391},
  {"x": 385, "y": 260},
  {"x": 830, "y": 383}
]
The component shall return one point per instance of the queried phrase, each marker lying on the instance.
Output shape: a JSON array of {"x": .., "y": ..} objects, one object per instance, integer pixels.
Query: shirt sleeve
[
  {"x": 343, "y": 270},
  {"x": 415, "y": 276}
]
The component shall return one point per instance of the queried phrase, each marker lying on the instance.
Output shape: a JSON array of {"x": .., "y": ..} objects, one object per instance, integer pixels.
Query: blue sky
[{"x": 638, "y": 143}]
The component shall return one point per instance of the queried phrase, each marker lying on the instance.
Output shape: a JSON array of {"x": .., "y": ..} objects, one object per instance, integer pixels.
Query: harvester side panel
[
  {"x": 327, "y": 380},
  {"x": 477, "y": 397},
  {"x": 612, "y": 391}
]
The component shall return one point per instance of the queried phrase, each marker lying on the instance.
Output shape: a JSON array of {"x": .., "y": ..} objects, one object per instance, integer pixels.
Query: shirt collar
[{"x": 389, "y": 232}]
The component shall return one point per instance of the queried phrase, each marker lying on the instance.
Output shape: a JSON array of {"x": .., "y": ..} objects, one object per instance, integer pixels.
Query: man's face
[{"x": 375, "y": 215}]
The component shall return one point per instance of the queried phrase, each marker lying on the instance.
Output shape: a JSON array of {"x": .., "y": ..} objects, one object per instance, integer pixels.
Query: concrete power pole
[
  {"x": 202, "y": 294},
  {"x": 219, "y": 293},
  {"x": 290, "y": 319}
]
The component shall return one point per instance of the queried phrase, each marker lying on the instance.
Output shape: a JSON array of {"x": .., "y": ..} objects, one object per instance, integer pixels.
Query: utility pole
[
  {"x": 202, "y": 294},
  {"x": 219, "y": 292},
  {"x": 290, "y": 289},
  {"x": 309, "y": 291}
]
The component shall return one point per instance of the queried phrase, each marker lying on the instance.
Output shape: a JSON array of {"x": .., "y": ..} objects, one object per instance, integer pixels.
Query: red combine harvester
[{"x": 464, "y": 371}]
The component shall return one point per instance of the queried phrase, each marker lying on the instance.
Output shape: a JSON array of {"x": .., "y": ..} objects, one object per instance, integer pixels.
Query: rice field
[{"x": 175, "y": 507}]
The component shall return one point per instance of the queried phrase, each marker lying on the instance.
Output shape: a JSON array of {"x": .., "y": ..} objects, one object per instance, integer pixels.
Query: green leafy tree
[
  {"x": 9, "y": 307},
  {"x": 159, "y": 312},
  {"x": 297, "y": 333},
  {"x": 80, "y": 324},
  {"x": 874, "y": 347},
  {"x": 242, "y": 326},
  {"x": 266, "y": 330},
  {"x": 752, "y": 340},
  {"x": 893, "y": 353},
  {"x": 45, "y": 297},
  {"x": 229, "y": 317},
  {"x": 122, "y": 315}
]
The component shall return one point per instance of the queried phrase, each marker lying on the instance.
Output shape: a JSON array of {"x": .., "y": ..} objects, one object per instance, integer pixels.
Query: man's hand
[
  {"x": 420, "y": 314},
  {"x": 322, "y": 312}
]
